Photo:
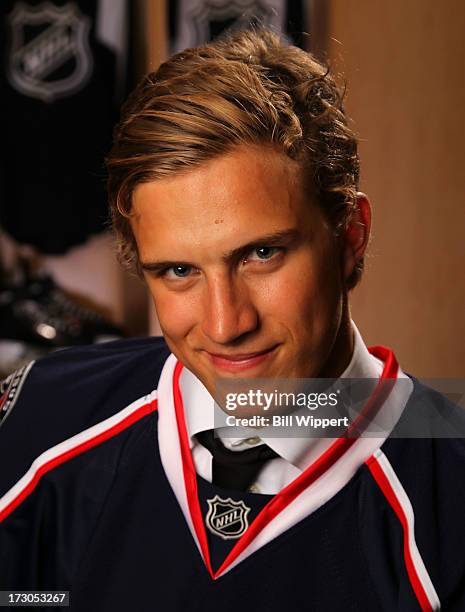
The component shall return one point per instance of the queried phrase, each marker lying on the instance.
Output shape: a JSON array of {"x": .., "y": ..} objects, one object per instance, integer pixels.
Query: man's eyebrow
[{"x": 280, "y": 238}]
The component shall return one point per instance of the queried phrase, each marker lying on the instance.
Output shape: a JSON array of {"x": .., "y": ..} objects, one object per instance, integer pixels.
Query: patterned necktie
[{"x": 234, "y": 469}]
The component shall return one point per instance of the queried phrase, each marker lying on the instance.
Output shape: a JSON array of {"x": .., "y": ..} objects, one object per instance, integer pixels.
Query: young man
[{"x": 233, "y": 189}]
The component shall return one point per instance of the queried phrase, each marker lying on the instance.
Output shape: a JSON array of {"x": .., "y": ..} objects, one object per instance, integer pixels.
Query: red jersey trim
[
  {"x": 77, "y": 445},
  {"x": 392, "y": 489},
  {"x": 287, "y": 495}
]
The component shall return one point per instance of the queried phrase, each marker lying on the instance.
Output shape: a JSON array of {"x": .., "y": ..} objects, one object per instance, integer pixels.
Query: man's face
[{"x": 243, "y": 267}]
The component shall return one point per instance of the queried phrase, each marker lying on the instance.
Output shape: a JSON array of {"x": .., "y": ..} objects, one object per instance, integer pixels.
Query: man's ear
[{"x": 355, "y": 237}]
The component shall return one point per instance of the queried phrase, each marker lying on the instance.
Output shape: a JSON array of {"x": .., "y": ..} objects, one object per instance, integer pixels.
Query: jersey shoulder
[
  {"x": 431, "y": 419},
  {"x": 431, "y": 433},
  {"x": 72, "y": 391}
]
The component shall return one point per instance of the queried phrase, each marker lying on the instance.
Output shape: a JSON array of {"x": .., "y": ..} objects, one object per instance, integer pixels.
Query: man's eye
[
  {"x": 179, "y": 271},
  {"x": 262, "y": 253}
]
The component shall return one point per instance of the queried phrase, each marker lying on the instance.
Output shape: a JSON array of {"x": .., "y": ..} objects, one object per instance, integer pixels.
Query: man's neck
[{"x": 341, "y": 352}]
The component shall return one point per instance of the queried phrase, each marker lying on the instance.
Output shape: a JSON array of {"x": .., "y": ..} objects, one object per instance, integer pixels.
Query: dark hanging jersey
[
  {"x": 61, "y": 80},
  {"x": 195, "y": 22},
  {"x": 99, "y": 496}
]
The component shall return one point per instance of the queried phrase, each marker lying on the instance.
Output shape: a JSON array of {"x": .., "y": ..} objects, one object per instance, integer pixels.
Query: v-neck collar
[
  {"x": 312, "y": 488},
  {"x": 199, "y": 410}
]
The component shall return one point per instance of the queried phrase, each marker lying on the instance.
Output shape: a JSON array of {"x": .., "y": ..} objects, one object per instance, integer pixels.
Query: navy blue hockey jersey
[
  {"x": 94, "y": 500},
  {"x": 64, "y": 72}
]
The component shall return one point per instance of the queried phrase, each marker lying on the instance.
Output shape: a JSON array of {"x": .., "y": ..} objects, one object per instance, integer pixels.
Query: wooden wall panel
[
  {"x": 404, "y": 63},
  {"x": 157, "y": 51}
]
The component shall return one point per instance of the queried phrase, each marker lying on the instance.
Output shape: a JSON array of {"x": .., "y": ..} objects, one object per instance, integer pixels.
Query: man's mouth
[{"x": 240, "y": 361}]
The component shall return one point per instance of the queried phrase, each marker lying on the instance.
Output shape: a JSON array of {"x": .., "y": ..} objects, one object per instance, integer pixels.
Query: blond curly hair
[{"x": 247, "y": 88}]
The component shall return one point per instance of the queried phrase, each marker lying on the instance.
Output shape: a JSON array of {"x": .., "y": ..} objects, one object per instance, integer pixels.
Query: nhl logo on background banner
[
  {"x": 227, "y": 518},
  {"x": 202, "y": 20},
  {"x": 49, "y": 55}
]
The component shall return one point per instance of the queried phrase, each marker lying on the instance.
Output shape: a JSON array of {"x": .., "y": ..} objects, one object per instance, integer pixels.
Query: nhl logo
[
  {"x": 49, "y": 55},
  {"x": 203, "y": 20},
  {"x": 227, "y": 518}
]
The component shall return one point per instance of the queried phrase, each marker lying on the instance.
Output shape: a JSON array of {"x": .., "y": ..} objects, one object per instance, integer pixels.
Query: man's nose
[{"x": 229, "y": 311}]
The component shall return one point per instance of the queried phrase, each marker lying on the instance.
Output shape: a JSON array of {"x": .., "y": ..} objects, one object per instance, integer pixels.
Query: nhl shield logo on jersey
[
  {"x": 227, "y": 518},
  {"x": 49, "y": 55}
]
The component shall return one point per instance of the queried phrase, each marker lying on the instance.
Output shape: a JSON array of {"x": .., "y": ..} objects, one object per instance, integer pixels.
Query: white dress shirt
[
  {"x": 178, "y": 390},
  {"x": 295, "y": 454}
]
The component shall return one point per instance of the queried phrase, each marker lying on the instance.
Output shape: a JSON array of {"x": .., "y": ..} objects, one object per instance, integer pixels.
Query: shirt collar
[
  {"x": 198, "y": 404},
  {"x": 199, "y": 407}
]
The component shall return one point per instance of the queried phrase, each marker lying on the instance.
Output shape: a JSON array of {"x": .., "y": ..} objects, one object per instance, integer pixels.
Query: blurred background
[{"x": 66, "y": 68}]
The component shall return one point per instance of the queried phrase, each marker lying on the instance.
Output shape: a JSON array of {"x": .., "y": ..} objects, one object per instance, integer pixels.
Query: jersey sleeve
[{"x": 65, "y": 427}]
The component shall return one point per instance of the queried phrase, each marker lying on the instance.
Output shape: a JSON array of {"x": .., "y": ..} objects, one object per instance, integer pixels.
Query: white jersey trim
[
  {"x": 67, "y": 445},
  {"x": 312, "y": 498},
  {"x": 407, "y": 508}
]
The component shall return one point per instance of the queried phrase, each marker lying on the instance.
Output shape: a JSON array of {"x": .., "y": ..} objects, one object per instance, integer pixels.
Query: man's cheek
[{"x": 177, "y": 316}]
